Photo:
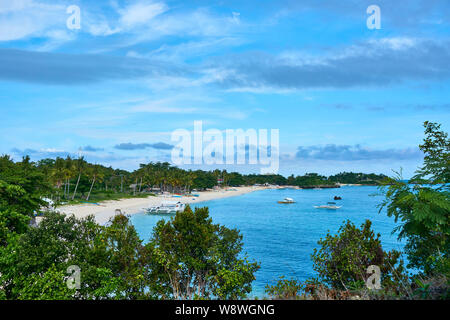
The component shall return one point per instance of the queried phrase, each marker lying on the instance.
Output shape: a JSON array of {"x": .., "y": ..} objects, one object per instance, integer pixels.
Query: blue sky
[{"x": 345, "y": 98}]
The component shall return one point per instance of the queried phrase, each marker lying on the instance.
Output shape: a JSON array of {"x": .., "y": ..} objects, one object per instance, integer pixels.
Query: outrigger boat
[
  {"x": 166, "y": 207},
  {"x": 329, "y": 205},
  {"x": 287, "y": 200}
]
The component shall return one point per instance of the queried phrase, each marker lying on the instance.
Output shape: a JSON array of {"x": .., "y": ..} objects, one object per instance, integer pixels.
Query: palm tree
[
  {"x": 190, "y": 180},
  {"x": 68, "y": 173},
  {"x": 96, "y": 174},
  {"x": 225, "y": 177},
  {"x": 57, "y": 172},
  {"x": 79, "y": 166}
]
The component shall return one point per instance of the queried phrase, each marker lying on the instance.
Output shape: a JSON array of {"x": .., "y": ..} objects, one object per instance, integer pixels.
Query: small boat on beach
[
  {"x": 287, "y": 200},
  {"x": 329, "y": 205},
  {"x": 166, "y": 207}
]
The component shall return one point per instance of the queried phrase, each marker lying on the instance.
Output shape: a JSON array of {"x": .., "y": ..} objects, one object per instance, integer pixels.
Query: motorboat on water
[
  {"x": 329, "y": 205},
  {"x": 166, "y": 207},
  {"x": 287, "y": 200}
]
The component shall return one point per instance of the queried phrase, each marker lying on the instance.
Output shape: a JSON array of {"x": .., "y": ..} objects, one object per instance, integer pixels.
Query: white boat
[
  {"x": 50, "y": 205},
  {"x": 287, "y": 200},
  {"x": 329, "y": 205},
  {"x": 166, "y": 207}
]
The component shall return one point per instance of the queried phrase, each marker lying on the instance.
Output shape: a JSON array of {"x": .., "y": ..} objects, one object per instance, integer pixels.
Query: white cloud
[
  {"x": 56, "y": 38},
  {"x": 25, "y": 18},
  {"x": 156, "y": 107},
  {"x": 14, "y": 5},
  {"x": 396, "y": 43},
  {"x": 183, "y": 51},
  {"x": 179, "y": 104},
  {"x": 52, "y": 150},
  {"x": 145, "y": 21},
  {"x": 196, "y": 23},
  {"x": 140, "y": 13},
  {"x": 100, "y": 27},
  {"x": 141, "y": 21}
]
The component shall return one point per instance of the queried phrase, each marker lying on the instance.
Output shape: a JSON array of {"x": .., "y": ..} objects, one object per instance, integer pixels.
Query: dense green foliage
[
  {"x": 196, "y": 258},
  {"x": 436, "y": 147},
  {"x": 314, "y": 179},
  {"x": 341, "y": 263},
  {"x": 188, "y": 257},
  {"x": 285, "y": 289},
  {"x": 110, "y": 259},
  {"x": 114, "y": 262},
  {"x": 309, "y": 179},
  {"x": 423, "y": 207},
  {"x": 343, "y": 259},
  {"x": 75, "y": 180},
  {"x": 21, "y": 178},
  {"x": 22, "y": 187},
  {"x": 357, "y": 178}
]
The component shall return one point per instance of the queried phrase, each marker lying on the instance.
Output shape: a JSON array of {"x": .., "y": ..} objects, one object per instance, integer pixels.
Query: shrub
[
  {"x": 285, "y": 289},
  {"x": 343, "y": 259}
]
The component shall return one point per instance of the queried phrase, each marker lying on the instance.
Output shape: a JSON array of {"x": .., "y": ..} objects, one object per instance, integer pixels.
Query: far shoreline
[{"x": 105, "y": 210}]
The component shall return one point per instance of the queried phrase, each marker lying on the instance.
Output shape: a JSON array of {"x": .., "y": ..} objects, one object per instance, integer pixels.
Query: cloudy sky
[{"x": 343, "y": 97}]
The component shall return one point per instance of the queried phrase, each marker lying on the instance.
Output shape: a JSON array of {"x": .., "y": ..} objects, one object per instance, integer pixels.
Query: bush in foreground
[{"x": 187, "y": 257}]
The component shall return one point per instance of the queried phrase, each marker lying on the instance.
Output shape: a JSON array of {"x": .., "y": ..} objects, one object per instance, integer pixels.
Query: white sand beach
[{"x": 106, "y": 209}]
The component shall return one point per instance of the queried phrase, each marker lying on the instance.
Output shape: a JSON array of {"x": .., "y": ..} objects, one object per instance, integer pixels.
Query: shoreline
[{"x": 106, "y": 209}]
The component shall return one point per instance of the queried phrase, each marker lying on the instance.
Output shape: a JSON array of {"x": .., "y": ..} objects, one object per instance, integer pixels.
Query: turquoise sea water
[{"x": 281, "y": 237}]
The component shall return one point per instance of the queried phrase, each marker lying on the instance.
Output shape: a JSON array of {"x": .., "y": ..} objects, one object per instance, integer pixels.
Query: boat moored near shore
[
  {"x": 287, "y": 200},
  {"x": 329, "y": 205},
  {"x": 166, "y": 207}
]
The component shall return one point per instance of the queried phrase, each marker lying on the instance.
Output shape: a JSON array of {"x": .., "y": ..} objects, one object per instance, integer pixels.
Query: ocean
[{"x": 282, "y": 237}]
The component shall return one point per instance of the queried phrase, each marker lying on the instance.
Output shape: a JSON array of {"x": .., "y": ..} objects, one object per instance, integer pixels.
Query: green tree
[
  {"x": 285, "y": 289},
  {"x": 32, "y": 183},
  {"x": 22, "y": 187},
  {"x": 69, "y": 169},
  {"x": 49, "y": 285},
  {"x": 96, "y": 173},
  {"x": 109, "y": 257},
  {"x": 436, "y": 148},
  {"x": 80, "y": 166},
  {"x": 57, "y": 174},
  {"x": 194, "y": 258},
  {"x": 422, "y": 206},
  {"x": 342, "y": 259},
  {"x": 128, "y": 259}
]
